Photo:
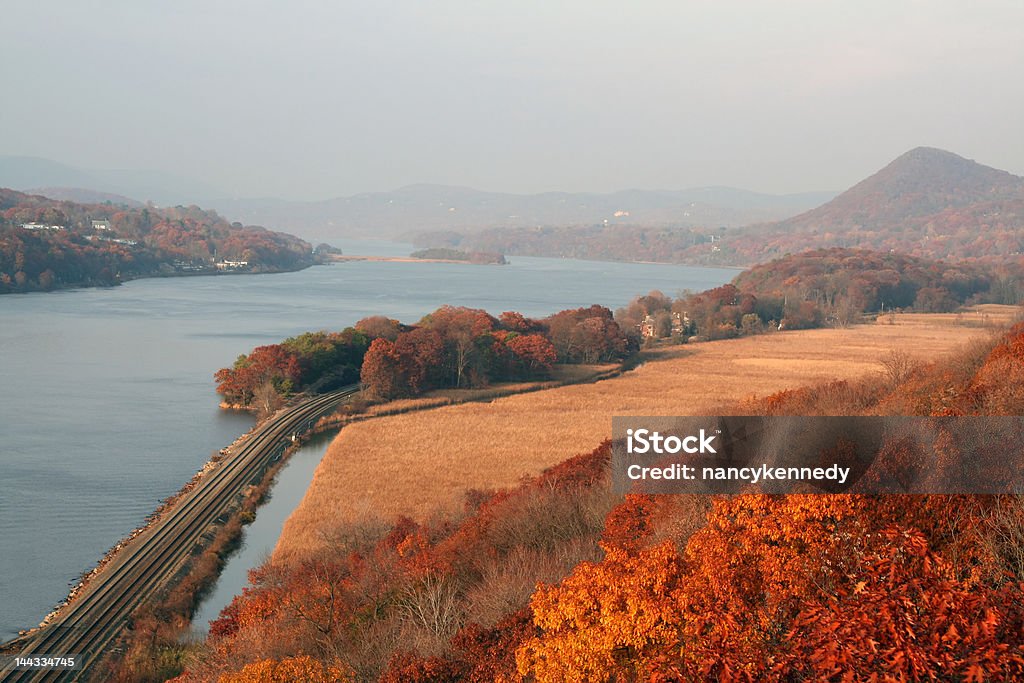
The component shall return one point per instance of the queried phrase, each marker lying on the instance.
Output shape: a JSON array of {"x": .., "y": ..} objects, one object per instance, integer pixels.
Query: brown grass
[
  {"x": 355, "y": 411},
  {"x": 984, "y": 315},
  {"x": 422, "y": 463}
]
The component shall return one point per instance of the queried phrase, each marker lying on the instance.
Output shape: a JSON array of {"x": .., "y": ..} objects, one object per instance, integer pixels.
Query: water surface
[{"x": 107, "y": 403}]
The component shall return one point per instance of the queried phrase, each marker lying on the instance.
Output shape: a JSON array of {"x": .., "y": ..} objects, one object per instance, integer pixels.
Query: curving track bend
[{"x": 89, "y": 625}]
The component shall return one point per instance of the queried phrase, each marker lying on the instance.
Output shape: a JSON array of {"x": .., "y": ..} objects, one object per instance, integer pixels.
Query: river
[{"x": 106, "y": 395}]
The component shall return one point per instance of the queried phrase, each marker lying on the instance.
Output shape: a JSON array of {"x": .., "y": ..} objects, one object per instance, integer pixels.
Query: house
[
  {"x": 41, "y": 226},
  {"x": 680, "y": 323},
  {"x": 101, "y": 225},
  {"x": 647, "y": 329},
  {"x": 231, "y": 265}
]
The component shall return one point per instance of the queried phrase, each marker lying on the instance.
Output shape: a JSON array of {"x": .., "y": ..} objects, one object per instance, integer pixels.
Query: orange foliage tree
[
  {"x": 773, "y": 588},
  {"x": 289, "y": 670}
]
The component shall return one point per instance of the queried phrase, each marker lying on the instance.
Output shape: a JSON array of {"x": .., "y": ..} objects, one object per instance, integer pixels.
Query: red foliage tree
[{"x": 533, "y": 352}]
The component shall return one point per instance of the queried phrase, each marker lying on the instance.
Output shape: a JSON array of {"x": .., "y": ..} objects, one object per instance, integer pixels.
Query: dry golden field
[{"x": 422, "y": 463}]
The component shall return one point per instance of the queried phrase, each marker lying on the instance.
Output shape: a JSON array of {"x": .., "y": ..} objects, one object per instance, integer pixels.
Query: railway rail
[{"x": 89, "y": 624}]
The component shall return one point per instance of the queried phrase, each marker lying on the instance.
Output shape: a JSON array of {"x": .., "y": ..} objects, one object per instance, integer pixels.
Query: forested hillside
[
  {"x": 48, "y": 244},
  {"x": 928, "y": 203},
  {"x": 825, "y": 287},
  {"x": 560, "y": 580}
]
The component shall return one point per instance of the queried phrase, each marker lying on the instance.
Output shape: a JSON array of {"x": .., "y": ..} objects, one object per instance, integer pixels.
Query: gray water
[{"x": 107, "y": 403}]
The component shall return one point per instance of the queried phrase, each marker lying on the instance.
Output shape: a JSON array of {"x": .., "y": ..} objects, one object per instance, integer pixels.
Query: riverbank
[
  {"x": 151, "y": 583},
  {"x": 343, "y": 258},
  {"x": 112, "y": 387},
  {"x": 158, "y": 275},
  {"x": 158, "y": 642}
]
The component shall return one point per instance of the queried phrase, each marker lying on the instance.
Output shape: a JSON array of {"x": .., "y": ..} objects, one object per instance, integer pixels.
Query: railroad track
[{"x": 96, "y": 617}]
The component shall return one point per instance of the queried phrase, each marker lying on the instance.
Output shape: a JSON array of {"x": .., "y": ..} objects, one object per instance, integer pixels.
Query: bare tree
[
  {"x": 1004, "y": 527},
  {"x": 266, "y": 399},
  {"x": 898, "y": 366},
  {"x": 433, "y": 605}
]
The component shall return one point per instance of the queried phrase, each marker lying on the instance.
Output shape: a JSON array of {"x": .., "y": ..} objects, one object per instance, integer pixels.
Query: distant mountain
[
  {"x": 80, "y": 196},
  {"x": 922, "y": 182},
  {"x": 420, "y": 208},
  {"x": 165, "y": 189},
  {"x": 928, "y": 203},
  {"x": 414, "y": 208}
]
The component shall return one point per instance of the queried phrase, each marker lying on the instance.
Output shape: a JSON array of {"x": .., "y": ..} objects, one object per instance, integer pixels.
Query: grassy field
[{"x": 422, "y": 463}]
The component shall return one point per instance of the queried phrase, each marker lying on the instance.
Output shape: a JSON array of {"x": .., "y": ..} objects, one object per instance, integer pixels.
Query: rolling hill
[
  {"x": 62, "y": 181},
  {"x": 920, "y": 183},
  {"x": 414, "y": 208},
  {"x": 426, "y": 207},
  {"x": 928, "y": 203},
  {"x": 48, "y": 244}
]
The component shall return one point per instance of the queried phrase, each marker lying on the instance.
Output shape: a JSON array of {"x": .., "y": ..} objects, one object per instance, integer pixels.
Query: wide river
[{"x": 106, "y": 395}]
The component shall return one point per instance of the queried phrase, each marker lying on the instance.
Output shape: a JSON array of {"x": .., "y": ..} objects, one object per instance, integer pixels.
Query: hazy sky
[{"x": 311, "y": 99}]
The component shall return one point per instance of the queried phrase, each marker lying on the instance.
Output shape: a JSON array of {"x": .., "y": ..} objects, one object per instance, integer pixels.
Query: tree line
[
  {"x": 816, "y": 288},
  {"x": 453, "y": 347}
]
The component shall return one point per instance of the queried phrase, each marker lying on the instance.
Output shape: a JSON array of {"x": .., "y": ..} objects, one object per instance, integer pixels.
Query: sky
[{"x": 306, "y": 99}]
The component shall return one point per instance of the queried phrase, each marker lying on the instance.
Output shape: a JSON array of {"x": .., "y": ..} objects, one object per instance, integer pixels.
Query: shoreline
[
  {"x": 342, "y": 258},
  {"x": 189, "y": 579},
  {"x": 156, "y": 276}
]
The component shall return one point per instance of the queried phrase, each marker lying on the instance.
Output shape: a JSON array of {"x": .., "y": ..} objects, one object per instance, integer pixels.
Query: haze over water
[{"x": 108, "y": 405}]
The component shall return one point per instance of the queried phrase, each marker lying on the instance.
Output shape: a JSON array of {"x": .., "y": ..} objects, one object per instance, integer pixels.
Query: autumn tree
[
  {"x": 907, "y": 616},
  {"x": 266, "y": 399},
  {"x": 289, "y": 670},
  {"x": 533, "y": 352},
  {"x": 404, "y": 367},
  {"x": 379, "y": 326},
  {"x": 607, "y": 621},
  {"x": 587, "y": 335},
  {"x": 272, "y": 363},
  {"x": 466, "y": 334}
]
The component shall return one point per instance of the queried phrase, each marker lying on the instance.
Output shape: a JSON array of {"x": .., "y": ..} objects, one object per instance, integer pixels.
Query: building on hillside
[
  {"x": 647, "y": 327},
  {"x": 41, "y": 226},
  {"x": 101, "y": 225},
  {"x": 231, "y": 265},
  {"x": 680, "y": 323}
]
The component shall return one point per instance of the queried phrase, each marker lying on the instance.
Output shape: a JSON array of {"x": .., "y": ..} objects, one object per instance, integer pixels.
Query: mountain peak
[
  {"x": 929, "y": 154},
  {"x": 920, "y": 182},
  {"x": 936, "y": 170}
]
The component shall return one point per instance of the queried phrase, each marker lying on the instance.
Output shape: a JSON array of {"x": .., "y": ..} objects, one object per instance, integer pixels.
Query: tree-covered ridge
[
  {"x": 610, "y": 242},
  {"x": 875, "y": 280},
  {"x": 825, "y": 287},
  {"x": 48, "y": 244},
  {"x": 927, "y": 203},
  {"x": 921, "y": 183}
]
